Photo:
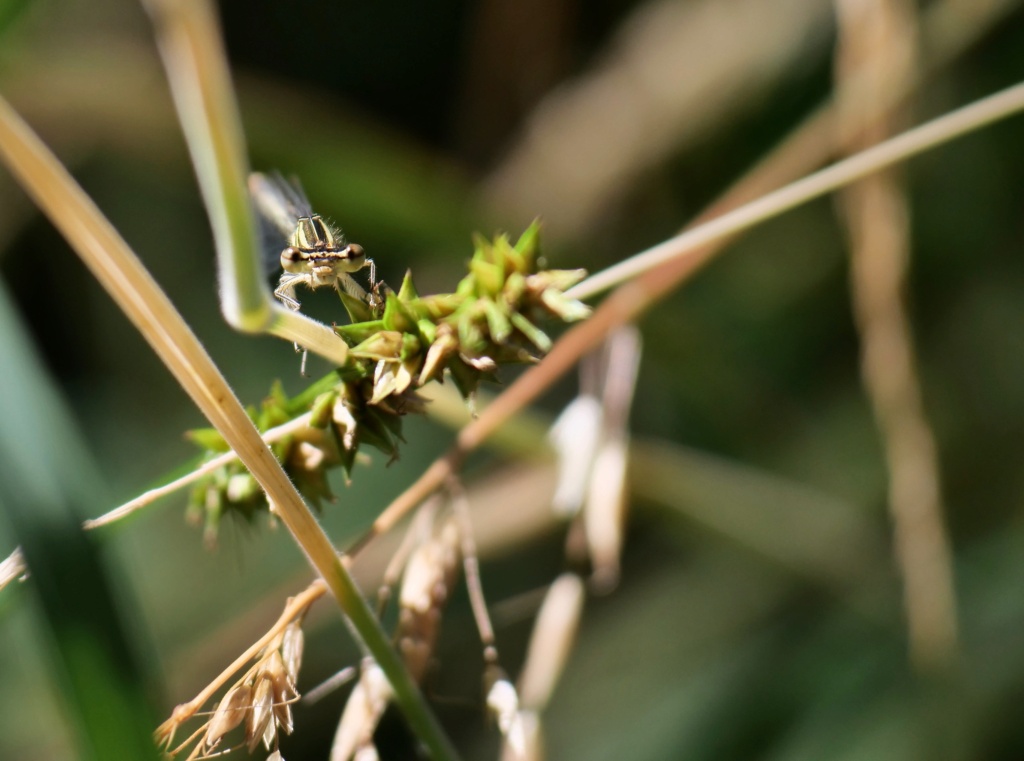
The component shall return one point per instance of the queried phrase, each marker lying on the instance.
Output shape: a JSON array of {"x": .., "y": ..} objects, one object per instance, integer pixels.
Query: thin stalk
[
  {"x": 122, "y": 275},
  {"x": 877, "y": 43},
  {"x": 226, "y": 458},
  {"x": 942, "y": 130}
]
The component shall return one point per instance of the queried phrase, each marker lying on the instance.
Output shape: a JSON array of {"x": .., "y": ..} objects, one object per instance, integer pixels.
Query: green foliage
[{"x": 97, "y": 664}]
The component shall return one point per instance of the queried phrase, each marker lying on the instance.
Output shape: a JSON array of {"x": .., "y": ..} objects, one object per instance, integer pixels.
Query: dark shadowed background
[{"x": 759, "y": 613}]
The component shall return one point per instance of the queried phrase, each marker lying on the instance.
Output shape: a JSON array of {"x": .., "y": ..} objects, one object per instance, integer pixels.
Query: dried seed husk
[
  {"x": 292, "y": 644},
  {"x": 230, "y": 712},
  {"x": 310, "y": 456},
  {"x": 445, "y": 344},
  {"x": 260, "y": 721},
  {"x": 560, "y": 280},
  {"x": 363, "y": 710},
  {"x": 283, "y": 690},
  {"x": 483, "y": 363},
  {"x": 385, "y": 381},
  {"x": 566, "y": 309},
  {"x": 345, "y": 425}
]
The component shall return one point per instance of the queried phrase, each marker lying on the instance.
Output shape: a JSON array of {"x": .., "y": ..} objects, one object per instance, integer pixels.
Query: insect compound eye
[
  {"x": 292, "y": 259},
  {"x": 355, "y": 252}
]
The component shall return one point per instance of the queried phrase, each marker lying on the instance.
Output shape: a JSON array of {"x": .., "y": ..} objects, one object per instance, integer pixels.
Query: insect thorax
[{"x": 313, "y": 236}]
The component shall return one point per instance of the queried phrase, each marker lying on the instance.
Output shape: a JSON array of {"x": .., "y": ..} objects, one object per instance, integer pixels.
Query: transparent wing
[{"x": 279, "y": 203}]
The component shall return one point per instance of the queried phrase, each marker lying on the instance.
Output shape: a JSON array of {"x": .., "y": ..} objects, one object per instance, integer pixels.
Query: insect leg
[
  {"x": 348, "y": 284},
  {"x": 285, "y": 290}
]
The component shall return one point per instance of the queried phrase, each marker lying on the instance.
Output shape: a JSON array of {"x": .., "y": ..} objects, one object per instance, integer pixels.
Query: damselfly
[{"x": 314, "y": 253}]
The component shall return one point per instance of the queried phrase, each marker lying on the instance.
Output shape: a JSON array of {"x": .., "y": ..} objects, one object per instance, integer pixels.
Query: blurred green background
[{"x": 759, "y": 611}]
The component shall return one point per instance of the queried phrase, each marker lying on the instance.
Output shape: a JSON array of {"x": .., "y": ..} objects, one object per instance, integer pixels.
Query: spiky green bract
[{"x": 398, "y": 342}]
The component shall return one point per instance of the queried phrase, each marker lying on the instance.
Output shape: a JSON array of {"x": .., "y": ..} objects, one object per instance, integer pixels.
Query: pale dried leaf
[
  {"x": 503, "y": 703},
  {"x": 367, "y": 753},
  {"x": 424, "y": 572},
  {"x": 604, "y": 514},
  {"x": 575, "y": 436},
  {"x": 415, "y": 654},
  {"x": 532, "y": 748},
  {"x": 362, "y": 712},
  {"x": 551, "y": 641}
]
